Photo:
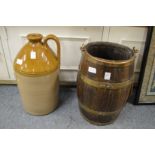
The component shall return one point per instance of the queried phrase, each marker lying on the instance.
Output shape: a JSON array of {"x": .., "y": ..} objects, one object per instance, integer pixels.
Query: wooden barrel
[{"x": 104, "y": 81}]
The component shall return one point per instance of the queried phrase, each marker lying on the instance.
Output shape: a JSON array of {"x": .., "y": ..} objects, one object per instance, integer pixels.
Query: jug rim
[{"x": 34, "y": 37}]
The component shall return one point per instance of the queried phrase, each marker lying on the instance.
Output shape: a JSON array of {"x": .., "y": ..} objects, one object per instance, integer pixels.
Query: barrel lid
[{"x": 35, "y": 59}]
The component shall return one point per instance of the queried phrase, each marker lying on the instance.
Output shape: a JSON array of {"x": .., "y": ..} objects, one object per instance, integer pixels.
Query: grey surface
[{"x": 67, "y": 115}]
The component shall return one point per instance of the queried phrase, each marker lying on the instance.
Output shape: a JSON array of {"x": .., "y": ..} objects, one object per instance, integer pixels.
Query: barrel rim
[
  {"x": 110, "y": 45},
  {"x": 107, "y": 61},
  {"x": 111, "y": 62}
]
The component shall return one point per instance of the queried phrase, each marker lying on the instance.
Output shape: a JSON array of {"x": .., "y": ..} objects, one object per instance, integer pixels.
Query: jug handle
[{"x": 53, "y": 37}]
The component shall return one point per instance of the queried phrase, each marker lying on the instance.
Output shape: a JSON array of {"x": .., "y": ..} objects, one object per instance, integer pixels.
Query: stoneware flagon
[
  {"x": 104, "y": 81},
  {"x": 37, "y": 72}
]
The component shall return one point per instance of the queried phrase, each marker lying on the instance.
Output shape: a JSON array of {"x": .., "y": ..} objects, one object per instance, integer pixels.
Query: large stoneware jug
[
  {"x": 105, "y": 80},
  {"x": 36, "y": 68}
]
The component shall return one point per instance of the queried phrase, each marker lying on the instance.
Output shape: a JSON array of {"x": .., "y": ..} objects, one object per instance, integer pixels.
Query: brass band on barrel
[
  {"x": 97, "y": 112},
  {"x": 106, "y": 85},
  {"x": 110, "y": 63},
  {"x": 97, "y": 123}
]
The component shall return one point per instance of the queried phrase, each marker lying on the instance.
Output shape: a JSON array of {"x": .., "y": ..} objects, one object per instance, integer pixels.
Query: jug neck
[{"x": 34, "y": 37}]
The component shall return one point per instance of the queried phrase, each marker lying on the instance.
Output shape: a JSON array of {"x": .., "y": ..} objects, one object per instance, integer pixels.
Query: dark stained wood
[
  {"x": 119, "y": 73},
  {"x": 101, "y": 100}
]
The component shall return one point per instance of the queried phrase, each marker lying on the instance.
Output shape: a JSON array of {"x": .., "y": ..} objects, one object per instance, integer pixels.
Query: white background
[{"x": 80, "y": 12}]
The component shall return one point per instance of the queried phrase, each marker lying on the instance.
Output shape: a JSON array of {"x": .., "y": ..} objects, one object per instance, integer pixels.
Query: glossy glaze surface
[{"x": 36, "y": 58}]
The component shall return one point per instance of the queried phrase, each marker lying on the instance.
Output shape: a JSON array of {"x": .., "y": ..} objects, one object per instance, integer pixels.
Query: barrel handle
[
  {"x": 53, "y": 37},
  {"x": 83, "y": 48},
  {"x": 135, "y": 50}
]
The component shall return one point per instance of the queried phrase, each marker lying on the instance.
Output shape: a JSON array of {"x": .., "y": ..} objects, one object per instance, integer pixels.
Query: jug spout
[{"x": 34, "y": 37}]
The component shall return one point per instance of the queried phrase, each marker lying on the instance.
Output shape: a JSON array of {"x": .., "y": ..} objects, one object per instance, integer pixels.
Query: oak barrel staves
[{"x": 104, "y": 81}]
